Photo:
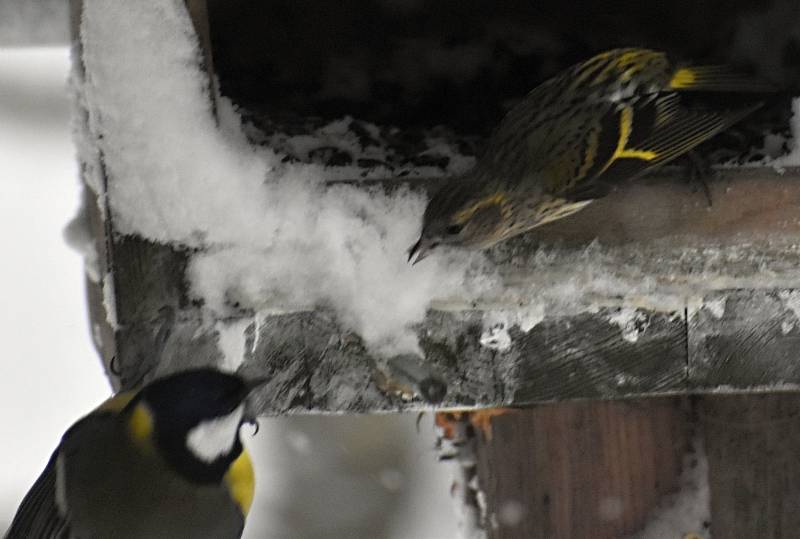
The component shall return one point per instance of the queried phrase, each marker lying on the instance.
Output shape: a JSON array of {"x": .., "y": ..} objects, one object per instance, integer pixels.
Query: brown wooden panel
[
  {"x": 589, "y": 470},
  {"x": 754, "y": 472},
  {"x": 756, "y": 203}
]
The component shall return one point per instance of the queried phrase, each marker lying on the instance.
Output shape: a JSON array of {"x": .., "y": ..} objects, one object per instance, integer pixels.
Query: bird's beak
[
  {"x": 419, "y": 250},
  {"x": 250, "y": 411}
]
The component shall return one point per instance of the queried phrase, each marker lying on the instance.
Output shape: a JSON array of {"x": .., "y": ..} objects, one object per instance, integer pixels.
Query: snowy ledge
[
  {"x": 700, "y": 317},
  {"x": 215, "y": 248}
]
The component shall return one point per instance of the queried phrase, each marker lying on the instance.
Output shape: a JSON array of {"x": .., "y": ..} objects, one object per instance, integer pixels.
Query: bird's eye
[{"x": 454, "y": 230}]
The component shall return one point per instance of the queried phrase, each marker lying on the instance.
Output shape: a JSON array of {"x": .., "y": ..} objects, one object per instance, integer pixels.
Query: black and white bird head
[{"x": 193, "y": 419}]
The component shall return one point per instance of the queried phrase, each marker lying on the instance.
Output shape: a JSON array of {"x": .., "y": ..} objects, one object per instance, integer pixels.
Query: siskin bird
[
  {"x": 164, "y": 462},
  {"x": 613, "y": 117}
]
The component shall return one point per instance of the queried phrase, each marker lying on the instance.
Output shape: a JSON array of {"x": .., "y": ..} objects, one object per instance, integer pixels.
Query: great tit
[{"x": 164, "y": 461}]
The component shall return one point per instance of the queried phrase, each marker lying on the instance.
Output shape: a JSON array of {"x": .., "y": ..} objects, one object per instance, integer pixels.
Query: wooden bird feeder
[{"x": 606, "y": 401}]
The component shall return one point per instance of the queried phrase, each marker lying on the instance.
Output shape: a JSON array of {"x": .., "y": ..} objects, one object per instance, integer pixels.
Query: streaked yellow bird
[
  {"x": 163, "y": 462},
  {"x": 613, "y": 117}
]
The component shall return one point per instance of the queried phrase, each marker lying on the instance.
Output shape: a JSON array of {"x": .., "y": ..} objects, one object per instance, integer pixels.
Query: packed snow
[
  {"x": 270, "y": 235},
  {"x": 791, "y": 301},
  {"x": 716, "y": 306},
  {"x": 232, "y": 335},
  {"x": 631, "y": 322},
  {"x": 109, "y": 300},
  {"x": 496, "y": 324},
  {"x": 792, "y": 159}
]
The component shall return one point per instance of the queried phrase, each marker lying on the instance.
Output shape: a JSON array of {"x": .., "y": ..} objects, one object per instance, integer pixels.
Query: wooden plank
[
  {"x": 745, "y": 339},
  {"x": 314, "y": 364},
  {"x": 96, "y": 214},
  {"x": 589, "y": 470},
  {"x": 753, "y": 203},
  {"x": 754, "y": 472},
  {"x": 588, "y": 356},
  {"x": 664, "y": 209}
]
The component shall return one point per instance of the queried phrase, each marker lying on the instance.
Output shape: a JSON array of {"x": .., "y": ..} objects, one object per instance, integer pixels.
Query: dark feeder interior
[{"x": 452, "y": 68}]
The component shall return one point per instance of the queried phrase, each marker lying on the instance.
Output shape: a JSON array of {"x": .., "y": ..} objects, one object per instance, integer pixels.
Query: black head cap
[
  {"x": 186, "y": 398},
  {"x": 180, "y": 402}
]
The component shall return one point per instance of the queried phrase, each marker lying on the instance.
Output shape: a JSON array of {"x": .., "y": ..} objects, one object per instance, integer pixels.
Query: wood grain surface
[{"x": 582, "y": 470}]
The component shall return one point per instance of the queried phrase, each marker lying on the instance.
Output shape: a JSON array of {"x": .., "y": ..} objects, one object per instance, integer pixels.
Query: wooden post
[
  {"x": 590, "y": 469},
  {"x": 752, "y": 444}
]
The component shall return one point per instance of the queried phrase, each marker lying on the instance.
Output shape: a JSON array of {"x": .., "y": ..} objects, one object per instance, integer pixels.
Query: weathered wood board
[{"x": 747, "y": 338}]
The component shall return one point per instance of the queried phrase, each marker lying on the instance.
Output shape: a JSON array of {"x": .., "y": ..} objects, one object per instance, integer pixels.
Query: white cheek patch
[{"x": 214, "y": 438}]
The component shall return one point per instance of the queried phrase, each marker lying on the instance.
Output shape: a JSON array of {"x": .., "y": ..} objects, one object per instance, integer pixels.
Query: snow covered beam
[{"x": 283, "y": 254}]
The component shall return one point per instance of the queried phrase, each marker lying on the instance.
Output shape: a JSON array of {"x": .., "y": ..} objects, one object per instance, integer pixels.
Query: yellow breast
[{"x": 241, "y": 481}]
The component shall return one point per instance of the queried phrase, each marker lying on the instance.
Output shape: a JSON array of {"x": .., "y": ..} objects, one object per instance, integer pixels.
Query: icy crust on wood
[{"x": 658, "y": 277}]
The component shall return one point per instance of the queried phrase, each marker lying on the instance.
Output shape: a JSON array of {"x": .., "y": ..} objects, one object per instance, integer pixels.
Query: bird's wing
[
  {"x": 619, "y": 73},
  {"x": 553, "y": 142},
  {"x": 642, "y": 138},
  {"x": 574, "y": 150},
  {"x": 615, "y": 116},
  {"x": 38, "y": 517}
]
